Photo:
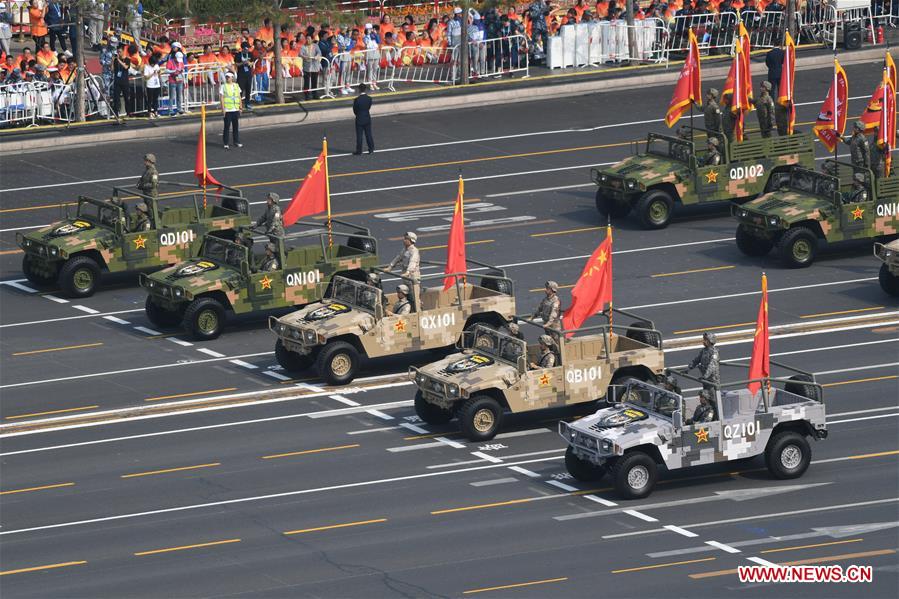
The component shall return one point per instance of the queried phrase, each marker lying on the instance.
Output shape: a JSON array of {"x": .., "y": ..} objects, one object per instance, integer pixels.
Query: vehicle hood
[
  {"x": 626, "y": 425},
  {"x": 472, "y": 370},
  {"x": 71, "y": 235},
  {"x": 199, "y": 275},
  {"x": 646, "y": 169},
  {"x": 789, "y": 206},
  {"x": 330, "y": 319}
]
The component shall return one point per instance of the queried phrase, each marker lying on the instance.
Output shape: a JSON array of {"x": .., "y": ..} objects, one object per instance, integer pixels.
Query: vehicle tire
[
  {"x": 79, "y": 277},
  {"x": 292, "y": 361},
  {"x": 888, "y": 281},
  {"x": 498, "y": 285},
  {"x": 797, "y": 247},
  {"x": 362, "y": 243},
  {"x": 337, "y": 363},
  {"x": 480, "y": 418},
  {"x": 651, "y": 338},
  {"x": 430, "y": 413},
  {"x": 36, "y": 278},
  {"x": 159, "y": 316},
  {"x": 610, "y": 206},
  {"x": 751, "y": 245},
  {"x": 788, "y": 455},
  {"x": 634, "y": 475},
  {"x": 800, "y": 388},
  {"x": 582, "y": 470},
  {"x": 204, "y": 318},
  {"x": 654, "y": 209}
]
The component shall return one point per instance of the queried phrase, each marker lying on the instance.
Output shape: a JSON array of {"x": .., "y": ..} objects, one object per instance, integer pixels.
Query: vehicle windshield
[
  {"x": 223, "y": 251},
  {"x": 355, "y": 293},
  {"x": 99, "y": 213},
  {"x": 668, "y": 147},
  {"x": 813, "y": 183},
  {"x": 651, "y": 399},
  {"x": 493, "y": 343}
]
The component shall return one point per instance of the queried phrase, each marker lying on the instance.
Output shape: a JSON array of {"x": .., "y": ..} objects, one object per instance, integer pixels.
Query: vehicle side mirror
[
  {"x": 677, "y": 420},
  {"x": 522, "y": 364}
]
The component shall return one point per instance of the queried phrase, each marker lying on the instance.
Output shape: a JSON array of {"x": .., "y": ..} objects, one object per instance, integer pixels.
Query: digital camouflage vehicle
[
  {"x": 492, "y": 374},
  {"x": 355, "y": 321},
  {"x": 75, "y": 251},
  {"x": 889, "y": 270},
  {"x": 652, "y": 427},
  {"x": 224, "y": 276},
  {"x": 669, "y": 172},
  {"x": 810, "y": 207}
]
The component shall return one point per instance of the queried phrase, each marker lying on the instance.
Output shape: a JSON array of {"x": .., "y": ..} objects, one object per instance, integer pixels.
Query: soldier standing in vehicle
[
  {"x": 142, "y": 218},
  {"x": 707, "y": 360},
  {"x": 728, "y": 118},
  {"x": 705, "y": 411},
  {"x": 782, "y": 118},
  {"x": 549, "y": 309},
  {"x": 712, "y": 112},
  {"x": 547, "y": 358},
  {"x": 878, "y": 156},
  {"x": 713, "y": 158},
  {"x": 764, "y": 106},
  {"x": 408, "y": 259},
  {"x": 272, "y": 220},
  {"x": 859, "y": 192},
  {"x": 858, "y": 146},
  {"x": 402, "y": 305},
  {"x": 149, "y": 181},
  {"x": 270, "y": 262}
]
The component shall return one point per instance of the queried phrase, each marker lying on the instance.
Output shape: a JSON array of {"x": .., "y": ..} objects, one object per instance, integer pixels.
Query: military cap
[
  {"x": 546, "y": 340},
  {"x": 403, "y": 289},
  {"x": 552, "y": 285},
  {"x": 858, "y": 126},
  {"x": 373, "y": 277},
  {"x": 859, "y": 177},
  {"x": 273, "y": 196},
  {"x": 141, "y": 207},
  {"x": 766, "y": 85},
  {"x": 710, "y": 337},
  {"x": 151, "y": 158},
  {"x": 270, "y": 247},
  {"x": 671, "y": 381},
  {"x": 513, "y": 328},
  {"x": 713, "y": 141},
  {"x": 411, "y": 236},
  {"x": 713, "y": 92},
  {"x": 705, "y": 394}
]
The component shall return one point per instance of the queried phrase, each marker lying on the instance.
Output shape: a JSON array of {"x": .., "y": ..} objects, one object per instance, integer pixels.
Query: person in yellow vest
[{"x": 231, "y": 109}]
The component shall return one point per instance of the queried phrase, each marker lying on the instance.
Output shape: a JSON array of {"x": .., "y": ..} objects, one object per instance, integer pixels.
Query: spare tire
[
  {"x": 798, "y": 387},
  {"x": 363, "y": 244},
  {"x": 653, "y": 338},
  {"x": 503, "y": 286}
]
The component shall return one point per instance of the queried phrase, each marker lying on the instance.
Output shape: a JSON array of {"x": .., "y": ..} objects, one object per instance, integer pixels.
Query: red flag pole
[
  {"x": 836, "y": 110},
  {"x": 609, "y": 235},
  {"x": 327, "y": 191},
  {"x": 203, "y": 135}
]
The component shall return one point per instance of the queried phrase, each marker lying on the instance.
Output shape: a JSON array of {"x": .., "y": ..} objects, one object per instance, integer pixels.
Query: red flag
[
  {"x": 872, "y": 117},
  {"x": 689, "y": 84},
  {"x": 890, "y": 66},
  {"x": 593, "y": 289},
  {"x": 313, "y": 195},
  {"x": 760, "y": 362},
  {"x": 886, "y": 137},
  {"x": 455, "y": 250},
  {"x": 787, "y": 80},
  {"x": 744, "y": 76},
  {"x": 204, "y": 177},
  {"x": 832, "y": 119}
]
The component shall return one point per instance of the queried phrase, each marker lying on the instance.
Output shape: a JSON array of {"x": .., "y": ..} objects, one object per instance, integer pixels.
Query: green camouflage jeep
[
  {"x": 355, "y": 320},
  {"x": 669, "y": 172},
  {"x": 809, "y": 207},
  {"x": 493, "y": 373},
  {"x": 224, "y": 276},
  {"x": 889, "y": 271},
  {"x": 98, "y": 238}
]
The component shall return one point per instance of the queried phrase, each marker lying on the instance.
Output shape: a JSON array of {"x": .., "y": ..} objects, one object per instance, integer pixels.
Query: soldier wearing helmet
[
  {"x": 764, "y": 106},
  {"x": 712, "y": 112},
  {"x": 547, "y": 358},
  {"x": 149, "y": 181},
  {"x": 369, "y": 296},
  {"x": 859, "y": 191},
  {"x": 713, "y": 157},
  {"x": 705, "y": 411},
  {"x": 272, "y": 220},
  {"x": 141, "y": 218},
  {"x": 669, "y": 383},
  {"x": 549, "y": 309},
  {"x": 708, "y": 362},
  {"x": 858, "y": 146},
  {"x": 408, "y": 259},
  {"x": 270, "y": 262},
  {"x": 402, "y": 304}
]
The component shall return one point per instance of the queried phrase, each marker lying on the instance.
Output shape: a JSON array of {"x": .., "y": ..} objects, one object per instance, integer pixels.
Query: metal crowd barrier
[
  {"x": 496, "y": 57},
  {"x": 822, "y": 23},
  {"x": 600, "y": 42}
]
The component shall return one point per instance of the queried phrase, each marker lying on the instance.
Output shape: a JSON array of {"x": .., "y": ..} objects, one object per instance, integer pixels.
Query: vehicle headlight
[
  {"x": 452, "y": 390},
  {"x": 888, "y": 253},
  {"x": 631, "y": 184},
  {"x": 151, "y": 283},
  {"x": 603, "y": 178},
  {"x": 606, "y": 446},
  {"x": 420, "y": 379},
  {"x": 295, "y": 333},
  {"x": 27, "y": 243},
  {"x": 743, "y": 214},
  {"x": 54, "y": 251},
  {"x": 179, "y": 292},
  {"x": 309, "y": 336},
  {"x": 774, "y": 221}
]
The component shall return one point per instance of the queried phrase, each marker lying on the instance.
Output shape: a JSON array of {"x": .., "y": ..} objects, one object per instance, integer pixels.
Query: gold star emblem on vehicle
[
  {"x": 140, "y": 242},
  {"x": 265, "y": 282},
  {"x": 545, "y": 380},
  {"x": 711, "y": 177},
  {"x": 702, "y": 435},
  {"x": 858, "y": 213},
  {"x": 400, "y": 326}
]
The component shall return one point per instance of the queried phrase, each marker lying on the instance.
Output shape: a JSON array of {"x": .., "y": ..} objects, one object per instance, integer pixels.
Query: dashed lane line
[
  {"x": 116, "y": 320},
  {"x": 41, "y": 488},
  {"x": 487, "y": 457},
  {"x": 57, "y": 349},
  {"x": 54, "y": 298},
  {"x": 148, "y": 331},
  {"x": 85, "y": 309},
  {"x": 180, "y": 342},
  {"x": 276, "y": 375},
  {"x": 722, "y": 547},
  {"x": 40, "y": 568},
  {"x": 210, "y": 352},
  {"x": 667, "y": 565},
  {"x": 243, "y": 364},
  {"x": 525, "y": 471},
  {"x": 186, "y": 547},
  {"x": 681, "y": 531},
  {"x": 344, "y": 400}
]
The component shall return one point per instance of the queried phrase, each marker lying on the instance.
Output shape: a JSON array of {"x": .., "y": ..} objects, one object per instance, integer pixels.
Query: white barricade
[
  {"x": 19, "y": 103},
  {"x": 418, "y": 64},
  {"x": 496, "y": 57},
  {"x": 600, "y": 42},
  {"x": 715, "y": 32}
]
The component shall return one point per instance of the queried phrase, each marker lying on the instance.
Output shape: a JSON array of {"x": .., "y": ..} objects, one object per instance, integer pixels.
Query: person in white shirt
[{"x": 153, "y": 84}]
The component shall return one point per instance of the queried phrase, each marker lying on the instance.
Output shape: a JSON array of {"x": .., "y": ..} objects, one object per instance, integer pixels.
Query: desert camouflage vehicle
[
  {"x": 670, "y": 172},
  {"x": 889, "y": 270},
  {"x": 651, "y": 427},
  {"x": 224, "y": 277},
  {"x": 492, "y": 374},
  {"x": 809, "y": 207},
  {"x": 75, "y": 251},
  {"x": 355, "y": 321}
]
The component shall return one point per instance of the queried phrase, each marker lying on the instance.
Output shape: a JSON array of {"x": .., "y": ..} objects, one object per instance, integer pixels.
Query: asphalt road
[{"x": 311, "y": 492}]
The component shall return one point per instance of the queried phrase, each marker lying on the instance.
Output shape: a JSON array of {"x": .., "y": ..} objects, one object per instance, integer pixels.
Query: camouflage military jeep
[
  {"x": 808, "y": 207},
  {"x": 355, "y": 320},
  {"x": 492, "y": 374},
  {"x": 75, "y": 251},
  {"x": 889, "y": 270},
  {"x": 651, "y": 427},
  {"x": 670, "y": 172},
  {"x": 224, "y": 276}
]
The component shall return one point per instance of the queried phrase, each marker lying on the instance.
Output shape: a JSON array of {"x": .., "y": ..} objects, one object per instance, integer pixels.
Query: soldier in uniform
[
  {"x": 272, "y": 220},
  {"x": 142, "y": 218},
  {"x": 369, "y": 296},
  {"x": 713, "y": 158},
  {"x": 549, "y": 309},
  {"x": 782, "y": 118},
  {"x": 764, "y": 106},
  {"x": 515, "y": 331},
  {"x": 707, "y": 361},
  {"x": 402, "y": 305},
  {"x": 858, "y": 146},
  {"x": 149, "y": 181},
  {"x": 270, "y": 262},
  {"x": 669, "y": 383},
  {"x": 408, "y": 259},
  {"x": 878, "y": 156},
  {"x": 680, "y": 151},
  {"x": 728, "y": 118},
  {"x": 547, "y": 358},
  {"x": 859, "y": 192},
  {"x": 712, "y": 112},
  {"x": 705, "y": 411}
]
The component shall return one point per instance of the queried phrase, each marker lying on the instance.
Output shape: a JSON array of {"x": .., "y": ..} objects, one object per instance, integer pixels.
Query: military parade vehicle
[
  {"x": 355, "y": 320},
  {"x": 101, "y": 237},
  {"x": 670, "y": 172},
  {"x": 810, "y": 207},
  {"x": 494, "y": 373},
  {"x": 649, "y": 427},
  {"x": 225, "y": 275},
  {"x": 889, "y": 271}
]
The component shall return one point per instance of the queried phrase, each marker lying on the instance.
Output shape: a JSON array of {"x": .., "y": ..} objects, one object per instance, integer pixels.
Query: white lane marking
[
  {"x": 18, "y": 285},
  {"x": 243, "y": 364},
  {"x": 526, "y": 191},
  {"x": 681, "y": 531},
  {"x": 85, "y": 309},
  {"x": 382, "y": 429},
  {"x": 147, "y": 331},
  {"x": 415, "y": 428},
  {"x": 835, "y": 320},
  {"x": 256, "y": 498},
  {"x": 600, "y": 500},
  {"x": 862, "y": 418},
  {"x": 117, "y": 320},
  {"x": 561, "y": 485},
  {"x": 489, "y": 458},
  {"x": 310, "y": 387},
  {"x": 344, "y": 400},
  {"x": 857, "y": 368},
  {"x": 180, "y": 342},
  {"x": 379, "y": 414},
  {"x": 640, "y": 515},
  {"x": 524, "y": 471},
  {"x": 276, "y": 375},
  {"x": 504, "y": 457},
  {"x": 762, "y": 562},
  {"x": 722, "y": 547},
  {"x": 52, "y": 320},
  {"x": 450, "y": 442},
  {"x": 863, "y": 411},
  {"x": 792, "y": 335},
  {"x": 416, "y": 447},
  {"x": 53, "y": 298},
  {"x": 493, "y": 481},
  {"x": 524, "y": 433},
  {"x": 210, "y": 352}
]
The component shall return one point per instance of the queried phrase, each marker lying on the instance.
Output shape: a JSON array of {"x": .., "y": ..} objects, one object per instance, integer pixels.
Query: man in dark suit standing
[
  {"x": 361, "y": 108},
  {"x": 774, "y": 60}
]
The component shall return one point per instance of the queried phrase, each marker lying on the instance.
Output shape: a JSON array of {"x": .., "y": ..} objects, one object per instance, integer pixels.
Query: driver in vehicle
[
  {"x": 705, "y": 411},
  {"x": 547, "y": 358},
  {"x": 402, "y": 304},
  {"x": 859, "y": 192}
]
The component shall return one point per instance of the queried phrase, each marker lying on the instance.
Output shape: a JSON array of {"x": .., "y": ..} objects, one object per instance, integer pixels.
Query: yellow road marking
[
  {"x": 52, "y": 349},
  {"x": 41, "y": 207},
  {"x": 308, "y": 451},
  {"x": 183, "y": 547},
  {"x": 778, "y": 550},
  {"x": 430, "y": 436},
  {"x": 868, "y": 380},
  {"x": 47, "y": 567},
  {"x": 5, "y": 252},
  {"x": 568, "y": 231},
  {"x": 192, "y": 394},
  {"x": 719, "y": 327},
  {"x": 668, "y": 565},
  {"x": 167, "y": 470},
  {"x": 803, "y": 562},
  {"x": 516, "y": 501},
  {"x": 874, "y": 455},
  {"x": 333, "y": 526},
  {"x": 440, "y": 247},
  {"x": 51, "y": 412},
  {"x": 516, "y": 586},
  {"x": 690, "y": 272},
  {"x": 37, "y": 488},
  {"x": 842, "y": 312}
]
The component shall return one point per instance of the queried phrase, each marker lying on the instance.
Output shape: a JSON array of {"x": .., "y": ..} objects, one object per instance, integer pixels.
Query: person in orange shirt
[
  {"x": 266, "y": 33},
  {"x": 46, "y": 56},
  {"x": 386, "y": 26},
  {"x": 208, "y": 60},
  {"x": 602, "y": 9},
  {"x": 225, "y": 58},
  {"x": 579, "y": 8},
  {"x": 38, "y": 26},
  {"x": 163, "y": 48}
]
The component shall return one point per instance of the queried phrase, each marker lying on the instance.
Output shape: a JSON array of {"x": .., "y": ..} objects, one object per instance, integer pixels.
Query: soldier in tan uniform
[
  {"x": 764, "y": 106},
  {"x": 408, "y": 259},
  {"x": 402, "y": 304},
  {"x": 149, "y": 181},
  {"x": 549, "y": 309},
  {"x": 547, "y": 358}
]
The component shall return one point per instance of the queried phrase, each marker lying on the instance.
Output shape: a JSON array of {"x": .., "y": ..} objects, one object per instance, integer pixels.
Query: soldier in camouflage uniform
[
  {"x": 859, "y": 192},
  {"x": 878, "y": 156},
  {"x": 107, "y": 57},
  {"x": 515, "y": 331},
  {"x": 142, "y": 218},
  {"x": 782, "y": 118},
  {"x": 402, "y": 304},
  {"x": 707, "y": 361},
  {"x": 764, "y": 106},
  {"x": 705, "y": 411},
  {"x": 270, "y": 262},
  {"x": 547, "y": 356},
  {"x": 713, "y": 158},
  {"x": 712, "y": 112},
  {"x": 858, "y": 146},
  {"x": 549, "y": 309},
  {"x": 272, "y": 220},
  {"x": 728, "y": 118},
  {"x": 408, "y": 259},
  {"x": 149, "y": 181}
]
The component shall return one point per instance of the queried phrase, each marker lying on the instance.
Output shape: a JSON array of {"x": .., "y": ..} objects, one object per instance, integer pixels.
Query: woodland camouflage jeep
[
  {"x": 889, "y": 270},
  {"x": 809, "y": 207},
  {"x": 669, "y": 172},
  {"x": 354, "y": 321},
  {"x": 491, "y": 375},
  {"x": 224, "y": 276},
  {"x": 650, "y": 428},
  {"x": 75, "y": 251}
]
